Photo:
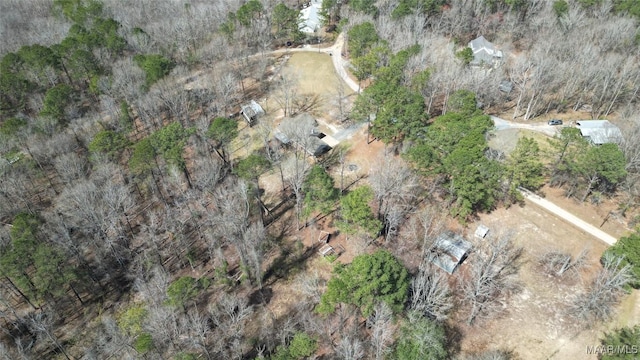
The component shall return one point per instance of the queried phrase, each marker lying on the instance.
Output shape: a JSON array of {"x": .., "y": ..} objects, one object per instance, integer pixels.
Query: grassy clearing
[
  {"x": 506, "y": 140},
  {"x": 315, "y": 73}
]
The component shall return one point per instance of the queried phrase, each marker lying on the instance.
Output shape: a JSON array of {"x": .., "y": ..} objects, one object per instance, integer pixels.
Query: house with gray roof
[
  {"x": 310, "y": 17},
  {"x": 484, "y": 52},
  {"x": 599, "y": 132},
  {"x": 302, "y": 131}
]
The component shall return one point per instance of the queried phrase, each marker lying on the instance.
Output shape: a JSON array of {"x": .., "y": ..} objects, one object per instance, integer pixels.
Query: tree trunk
[
  {"x": 592, "y": 181},
  {"x": 17, "y": 290}
]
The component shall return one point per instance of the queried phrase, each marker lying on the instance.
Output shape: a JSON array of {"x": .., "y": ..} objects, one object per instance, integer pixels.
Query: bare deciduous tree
[
  {"x": 297, "y": 165},
  {"x": 43, "y": 324},
  {"x": 597, "y": 302},
  {"x": 253, "y": 241},
  {"x": 422, "y": 229},
  {"x": 558, "y": 264},
  {"x": 229, "y": 315},
  {"x": 380, "y": 323},
  {"x": 350, "y": 348},
  {"x": 233, "y": 218},
  {"x": 286, "y": 93},
  {"x": 71, "y": 167},
  {"x": 493, "y": 355},
  {"x": 430, "y": 293},
  {"x": 309, "y": 285},
  {"x": 491, "y": 276},
  {"x": 395, "y": 187}
]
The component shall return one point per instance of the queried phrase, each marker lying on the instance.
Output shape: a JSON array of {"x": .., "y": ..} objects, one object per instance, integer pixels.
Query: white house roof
[
  {"x": 311, "y": 17},
  {"x": 483, "y": 51},
  {"x": 599, "y": 131}
]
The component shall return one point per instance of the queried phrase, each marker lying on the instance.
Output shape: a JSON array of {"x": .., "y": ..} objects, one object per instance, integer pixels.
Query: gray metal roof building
[
  {"x": 599, "y": 131},
  {"x": 449, "y": 251}
]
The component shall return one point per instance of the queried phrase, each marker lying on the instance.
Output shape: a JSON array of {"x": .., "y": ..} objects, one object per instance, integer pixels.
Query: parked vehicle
[{"x": 554, "y": 122}]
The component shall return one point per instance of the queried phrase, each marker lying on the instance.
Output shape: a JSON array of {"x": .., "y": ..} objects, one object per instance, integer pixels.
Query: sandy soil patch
[{"x": 534, "y": 323}]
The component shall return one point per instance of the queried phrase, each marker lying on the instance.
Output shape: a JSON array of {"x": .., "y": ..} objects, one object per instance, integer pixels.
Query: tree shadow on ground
[
  {"x": 454, "y": 338},
  {"x": 288, "y": 263},
  {"x": 261, "y": 296}
]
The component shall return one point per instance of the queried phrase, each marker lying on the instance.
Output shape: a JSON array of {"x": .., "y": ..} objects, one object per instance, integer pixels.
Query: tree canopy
[
  {"x": 222, "y": 131},
  {"x": 183, "y": 290},
  {"x": 367, "y": 280},
  {"x": 38, "y": 269},
  {"x": 604, "y": 166},
  {"x": 251, "y": 167},
  {"x": 421, "y": 338},
  {"x": 142, "y": 158},
  {"x": 407, "y": 7},
  {"x": 626, "y": 338},
  {"x": 454, "y": 148},
  {"x": 584, "y": 167},
  {"x": 287, "y": 23},
  {"x": 154, "y": 66},
  {"x": 399, "y": 110},
  {"x": 56, "y": 101},
  {"x": 523, "y": 167},
  {"x": 361, "y": 38},
  {"x": 319, "y": 191},
  {"x": 356, "y": 215},
  {"x": 628, "y": 248},
  {"x": 365, "y": 6},
  {"x": 108, "y": 142},
  {"x": 170, "y": 141},
  {"x": 301, "y": 346}
]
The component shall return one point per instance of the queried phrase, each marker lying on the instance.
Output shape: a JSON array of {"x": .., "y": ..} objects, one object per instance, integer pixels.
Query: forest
[{"x": 133, "y": 226}]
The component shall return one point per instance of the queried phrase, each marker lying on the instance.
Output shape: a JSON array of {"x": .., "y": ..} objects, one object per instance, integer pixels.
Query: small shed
[
  {"x": 449, "y": 251},
  {"x": 251, "y": 112},
  {"x": 481, "y": 231}
]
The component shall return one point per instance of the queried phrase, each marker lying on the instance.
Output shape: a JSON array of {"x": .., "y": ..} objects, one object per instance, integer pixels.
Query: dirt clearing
[{"x": 534, "y": 323}]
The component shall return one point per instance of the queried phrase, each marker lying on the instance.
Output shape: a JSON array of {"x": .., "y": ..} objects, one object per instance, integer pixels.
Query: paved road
[{"x": 568, "y": 217}]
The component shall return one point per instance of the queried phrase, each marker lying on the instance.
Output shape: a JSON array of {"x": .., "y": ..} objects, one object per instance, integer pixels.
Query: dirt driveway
[{"x": 568, "y": 217}]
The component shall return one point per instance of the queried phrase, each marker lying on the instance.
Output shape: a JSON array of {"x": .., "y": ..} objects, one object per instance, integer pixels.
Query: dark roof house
[
  {"x": 484, "y": 52},
  {"x": 302, "y": 131},
  {"x": 449, "y": 251}
]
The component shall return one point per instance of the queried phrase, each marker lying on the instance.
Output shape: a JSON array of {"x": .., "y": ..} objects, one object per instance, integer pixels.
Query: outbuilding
[
  {"x": 599, "y": 132},
  {"x": 251, "y": 112},
  {"x": 449, "y": 251}
]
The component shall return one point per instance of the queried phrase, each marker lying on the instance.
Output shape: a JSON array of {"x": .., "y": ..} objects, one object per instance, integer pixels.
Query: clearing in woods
[{"x": 533, "y": 323}]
